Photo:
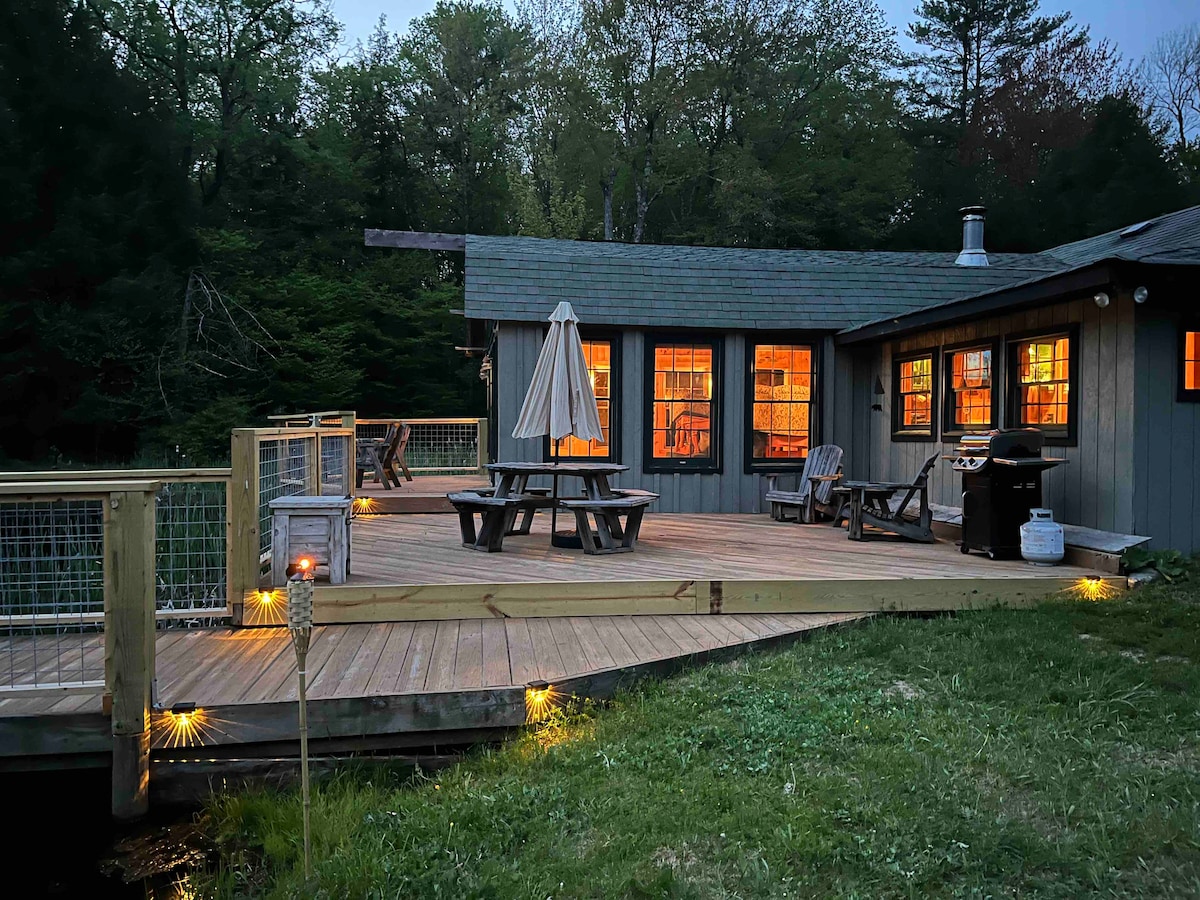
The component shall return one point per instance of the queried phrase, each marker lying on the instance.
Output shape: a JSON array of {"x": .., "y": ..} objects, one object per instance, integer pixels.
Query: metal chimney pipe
[{"x": 972, "y": 250}]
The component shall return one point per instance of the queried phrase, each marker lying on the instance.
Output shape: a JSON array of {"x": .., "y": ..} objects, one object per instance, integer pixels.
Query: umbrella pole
[{"x": 554, "y": 497}]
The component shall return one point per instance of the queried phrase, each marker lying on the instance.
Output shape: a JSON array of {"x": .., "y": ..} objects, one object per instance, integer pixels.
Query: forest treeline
[{"x": 185, "y": 182}]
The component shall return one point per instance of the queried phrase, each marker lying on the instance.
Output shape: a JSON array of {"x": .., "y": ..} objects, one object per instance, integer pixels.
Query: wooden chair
[
  {"x": 371, "y": 455},
  {"x": 871, "y": 504},
  {"x": 394, "y": 455},
  {"x": 814, "y": 491}
]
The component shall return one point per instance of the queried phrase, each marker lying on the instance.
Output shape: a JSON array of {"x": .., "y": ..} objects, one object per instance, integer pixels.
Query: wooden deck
[
  {"x": 424, "y": 494},
  {"x": 426, "y": 549},
  {"x": 390, "y": 681},
  {"x": 415, "y": 568}
]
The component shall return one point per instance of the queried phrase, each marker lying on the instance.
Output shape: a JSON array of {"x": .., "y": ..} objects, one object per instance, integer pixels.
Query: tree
[
  {"x": 465, "y": 67},
  {"x": 972, "y": 45},
  {"x": 639, "y": 56},
  {"x": 216, "y": 61},
  {"x": 1049, "y": 102},
  {"x": 95, "y": 229},
  {"x": 1171, "y": 72}
]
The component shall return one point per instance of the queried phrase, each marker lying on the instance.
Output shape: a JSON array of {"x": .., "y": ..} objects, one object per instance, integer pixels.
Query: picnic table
[
  {"x": 513, "y": 477},
  {"x": 500, "y": 505}
]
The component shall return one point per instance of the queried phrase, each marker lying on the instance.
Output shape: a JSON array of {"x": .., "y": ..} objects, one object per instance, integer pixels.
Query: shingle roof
[
  {"x": 1171, "y": 238},
  {"x": 522, "y": 279}
]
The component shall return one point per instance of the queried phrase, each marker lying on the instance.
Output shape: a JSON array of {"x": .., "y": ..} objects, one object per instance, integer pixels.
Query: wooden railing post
[
  {"x": 483, "y": 446},
  {"x": 129, "y": 644},
  {"x": 241, "y": 548},
  {"x": 312, "y": 477}
]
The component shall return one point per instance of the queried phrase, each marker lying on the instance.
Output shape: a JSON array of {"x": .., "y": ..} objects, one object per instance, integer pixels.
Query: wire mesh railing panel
[
  {"x": 190, "y": 532},
  {"x": 51, "y": 593},
  {"x": 374, "y": 430},
  {"x": 335, "y": 464},
  {"x": 283, "y": 471},
  {"x": 444, "y": 447}
]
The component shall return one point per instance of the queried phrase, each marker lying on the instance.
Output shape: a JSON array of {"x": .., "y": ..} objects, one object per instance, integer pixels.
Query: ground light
[
  {"x": 364, "y": 505},
  {"x": 184, "y": 726},
  {"x": 1092, "y": 588},
  {"x": 540, "y": 699},
  {"x": 265, "y": 608}
]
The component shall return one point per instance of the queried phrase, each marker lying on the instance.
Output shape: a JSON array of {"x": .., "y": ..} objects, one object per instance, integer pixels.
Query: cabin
[{"x": 716, "y": 367}]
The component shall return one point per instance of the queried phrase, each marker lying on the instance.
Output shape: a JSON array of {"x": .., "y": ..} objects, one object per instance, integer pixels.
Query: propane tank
[{"x": 1042, "y": 538}]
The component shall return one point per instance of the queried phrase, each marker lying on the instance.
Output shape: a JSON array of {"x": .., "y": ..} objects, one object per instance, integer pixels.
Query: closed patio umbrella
[{"x": 560, "y": 400}]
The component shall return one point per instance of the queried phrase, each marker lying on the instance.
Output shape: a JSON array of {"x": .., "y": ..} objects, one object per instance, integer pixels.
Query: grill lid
[{"x": 1006, "y": 443}]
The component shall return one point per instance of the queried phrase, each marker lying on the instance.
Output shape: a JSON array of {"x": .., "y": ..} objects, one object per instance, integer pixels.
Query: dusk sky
[{"x": 1132, "y": 26}]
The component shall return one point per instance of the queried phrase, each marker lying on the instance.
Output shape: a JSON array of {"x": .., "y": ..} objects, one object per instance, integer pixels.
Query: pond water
[{"x": 57, "y": 830}]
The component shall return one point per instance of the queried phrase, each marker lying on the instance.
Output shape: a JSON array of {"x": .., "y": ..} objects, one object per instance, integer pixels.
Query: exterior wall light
[
  {"x": 1140, "y": 294},
  {"x": 1102, "y": 299}
]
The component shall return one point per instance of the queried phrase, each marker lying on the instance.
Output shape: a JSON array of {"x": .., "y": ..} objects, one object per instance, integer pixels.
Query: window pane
[
  {"x": 915, "y": 383},
  {"x": 782, "y": 397},
  {"x": 683, "y": 388},
  {"x": 971, "y": 388},
  {"x": 1044, "y": 374},
  {"x": 1191, "y": 361},
  {"x": 598, "y": 356}
]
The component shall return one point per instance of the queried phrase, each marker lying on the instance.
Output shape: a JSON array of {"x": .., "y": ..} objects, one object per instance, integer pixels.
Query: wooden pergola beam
[{"x": 414, "y": 240}]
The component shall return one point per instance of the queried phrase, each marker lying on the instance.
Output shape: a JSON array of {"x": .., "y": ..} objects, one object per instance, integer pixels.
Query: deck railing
[
  {"x": 78, "y": 586},
  {"x": 268, "y": 463},
  {"x": 191, "y": 539},
  {"x": 437, "y": 446}
]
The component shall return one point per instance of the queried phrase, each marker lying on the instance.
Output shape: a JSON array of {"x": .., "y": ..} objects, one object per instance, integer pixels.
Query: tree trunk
[{"x": 606, "y": 188}]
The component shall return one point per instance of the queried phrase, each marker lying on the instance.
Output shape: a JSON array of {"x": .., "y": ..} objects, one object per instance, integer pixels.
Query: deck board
[
  {"x": 222, "y": 666},
  {"x": 426, "y": 549}
]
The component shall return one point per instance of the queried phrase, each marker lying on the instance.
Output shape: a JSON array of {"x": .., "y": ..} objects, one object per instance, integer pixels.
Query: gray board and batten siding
[
  {"x": 1096, "y": 487},
  {"x": 1166, "y": 478},
  {"x": 730, "y": 490}
]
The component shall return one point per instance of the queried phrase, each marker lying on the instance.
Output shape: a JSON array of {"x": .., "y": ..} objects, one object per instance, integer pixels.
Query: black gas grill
[{"x": 1001, "y": 482}]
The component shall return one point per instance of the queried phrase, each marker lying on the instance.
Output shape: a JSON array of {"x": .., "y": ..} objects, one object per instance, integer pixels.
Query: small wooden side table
[{"x": 316, "y": 527}]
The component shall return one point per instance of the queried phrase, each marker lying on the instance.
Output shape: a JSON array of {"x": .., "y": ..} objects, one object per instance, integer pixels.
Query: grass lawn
[{"x": 1052, "y": 752}]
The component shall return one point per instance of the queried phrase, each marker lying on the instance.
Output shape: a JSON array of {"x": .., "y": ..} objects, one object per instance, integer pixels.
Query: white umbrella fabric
[{"x": 560, "y": 400}]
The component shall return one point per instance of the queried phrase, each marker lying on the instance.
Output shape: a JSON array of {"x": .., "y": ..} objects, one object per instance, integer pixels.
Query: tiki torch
[{"x": 300, "y": 618}]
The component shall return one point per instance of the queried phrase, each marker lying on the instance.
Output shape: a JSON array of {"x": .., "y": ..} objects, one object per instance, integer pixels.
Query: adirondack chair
[
  {"x": 813, "y": 494},
  {"x": 871, "y": 504},
  {"x": 371, "y": 455},
  {"x": 394, "y": 455}
]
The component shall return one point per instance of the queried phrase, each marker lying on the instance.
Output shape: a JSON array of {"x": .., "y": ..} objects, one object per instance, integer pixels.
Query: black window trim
[
  {"x": 1012, "y": 414},
  {"x": 614, "y": 402},
  {"x": 901, "y": 433},
  {"x": 754, "y": 339},
  {"x": 1186, "y": 324},
  {"x": 711, "y": 464},
  {"x": 950, "y": 431}
]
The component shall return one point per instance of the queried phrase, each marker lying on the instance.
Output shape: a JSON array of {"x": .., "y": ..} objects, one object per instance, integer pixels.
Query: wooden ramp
[{"x": 375, "y": 684}]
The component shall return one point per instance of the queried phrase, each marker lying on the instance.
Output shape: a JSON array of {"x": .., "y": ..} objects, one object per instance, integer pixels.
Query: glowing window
[
  {"x": 681, "y": 408},
  {"x": 970, "y": 389},
  {"x": 782, "y": 405},
  {"x": 914, "y": 395},
  {"x": 1043, "y": 374},
  {"x": 1191, "y": 360},
  {"x": 599, "y": 357}
]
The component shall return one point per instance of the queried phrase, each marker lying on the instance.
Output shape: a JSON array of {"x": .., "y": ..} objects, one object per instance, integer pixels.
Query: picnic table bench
[
  {"x": 611, "y": 535},
  {"x": 496, "y": 517},
  {"x": 617, "y": 512}
]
